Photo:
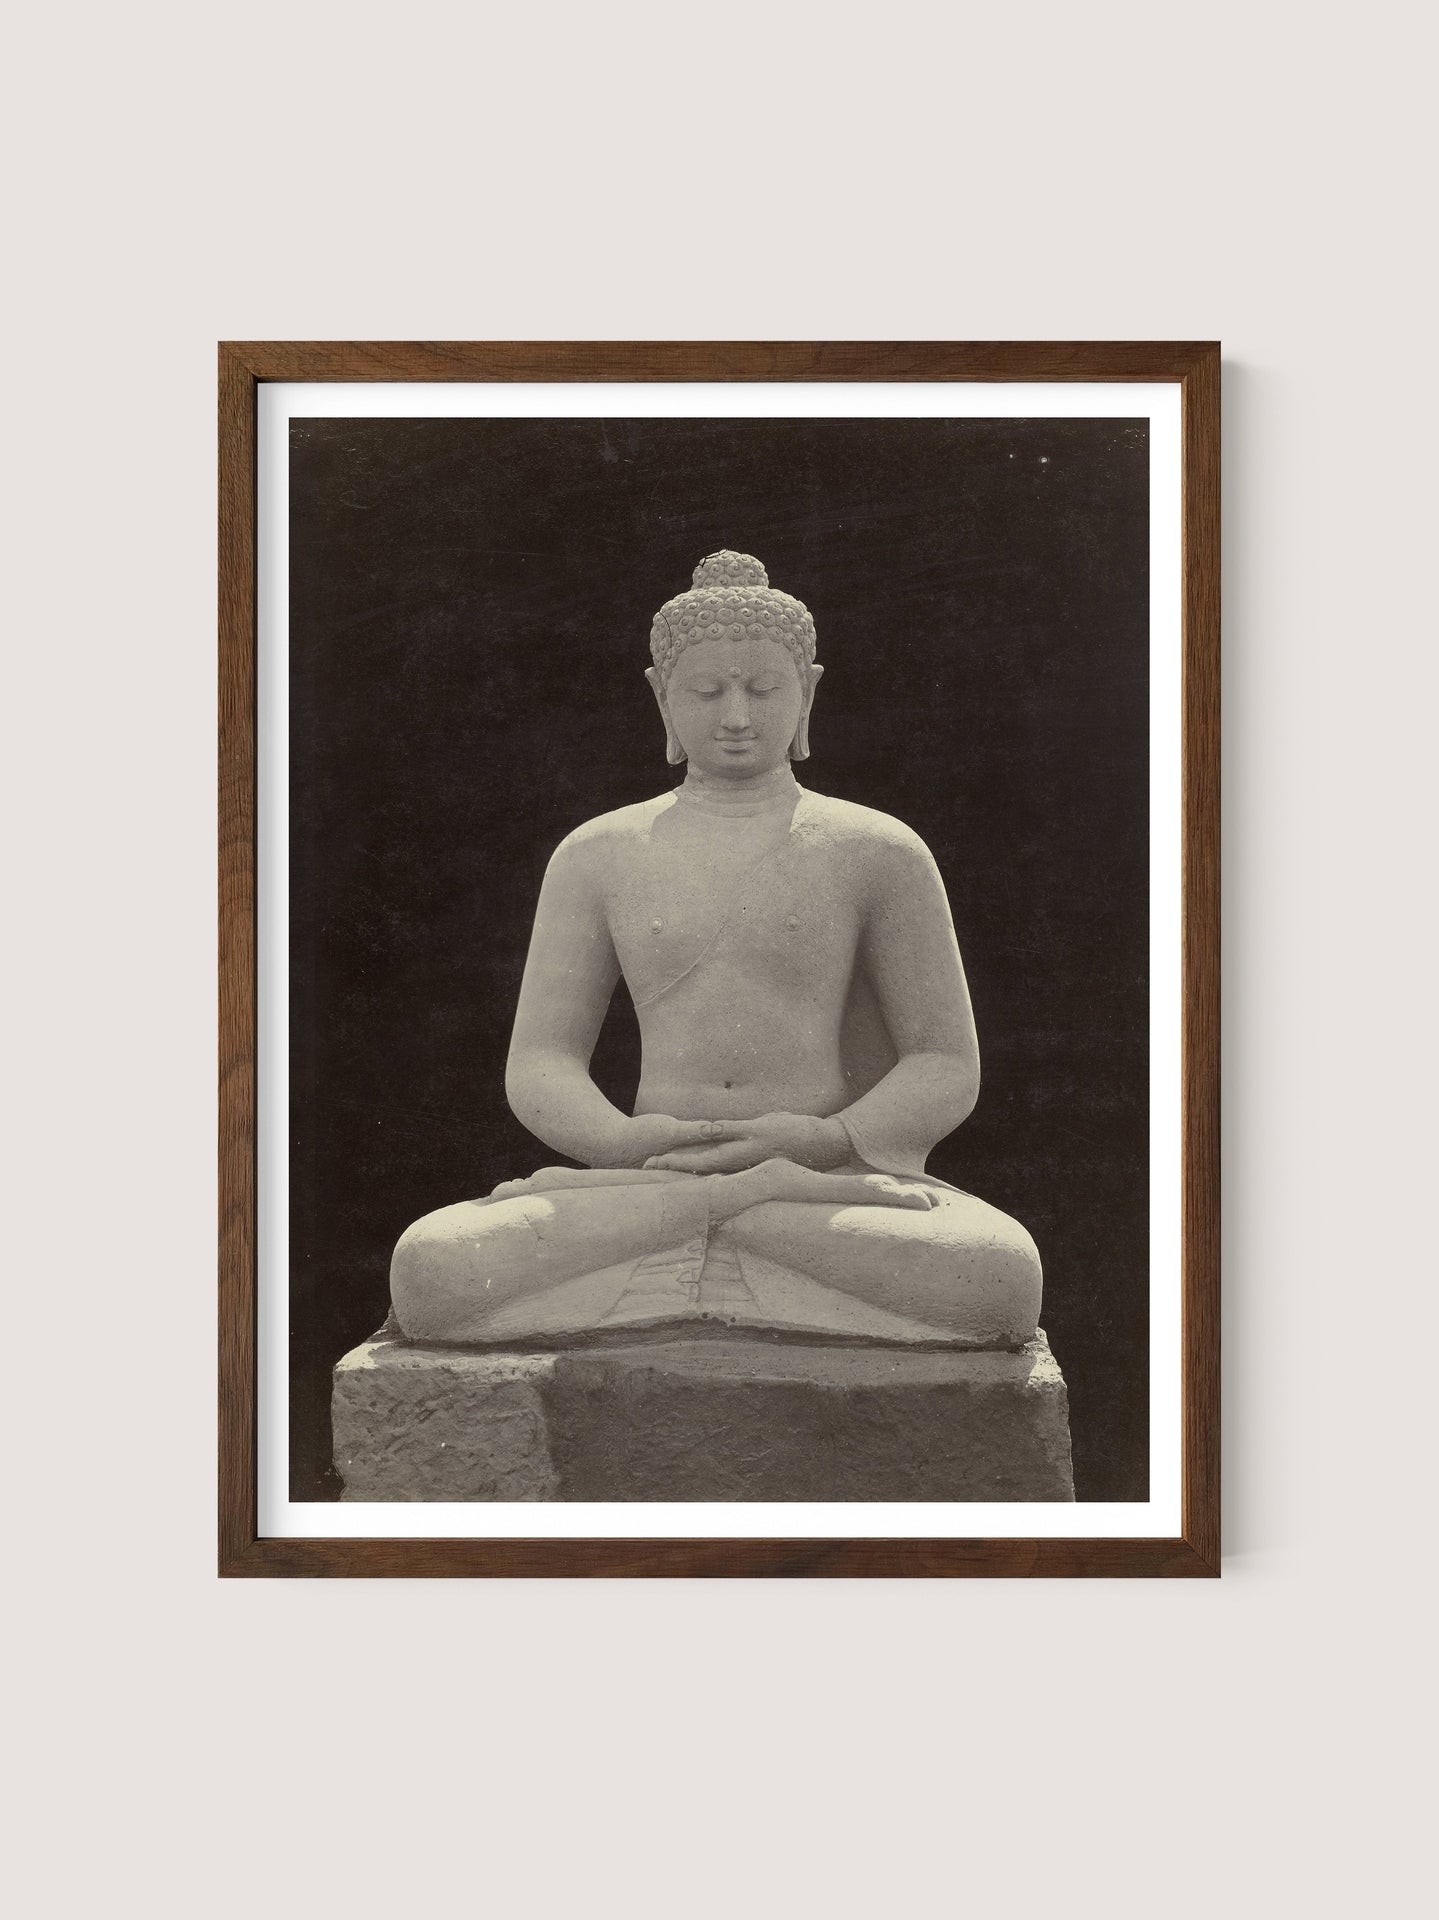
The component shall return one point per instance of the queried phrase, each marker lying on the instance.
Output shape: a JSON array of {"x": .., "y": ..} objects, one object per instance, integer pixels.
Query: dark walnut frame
[{"x": 1195, "y": 367}]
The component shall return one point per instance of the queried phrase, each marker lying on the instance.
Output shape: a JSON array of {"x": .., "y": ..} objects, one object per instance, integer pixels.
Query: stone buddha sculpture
[{"x": 807, "y": 1039}]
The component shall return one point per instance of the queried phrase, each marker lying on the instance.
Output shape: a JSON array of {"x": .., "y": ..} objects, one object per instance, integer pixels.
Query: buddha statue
[{"x": 807, "y": 1038}]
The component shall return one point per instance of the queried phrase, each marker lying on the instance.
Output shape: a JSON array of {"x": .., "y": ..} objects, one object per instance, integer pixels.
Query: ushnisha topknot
[{"x": 731, "y": 597}]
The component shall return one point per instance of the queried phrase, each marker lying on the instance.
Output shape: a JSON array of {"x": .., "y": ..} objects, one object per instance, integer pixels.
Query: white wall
[{"x": 1246, "y": 171}]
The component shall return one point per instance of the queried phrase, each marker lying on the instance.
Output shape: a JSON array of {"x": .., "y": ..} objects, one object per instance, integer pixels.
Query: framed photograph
[{"x": 719, "y": 999}]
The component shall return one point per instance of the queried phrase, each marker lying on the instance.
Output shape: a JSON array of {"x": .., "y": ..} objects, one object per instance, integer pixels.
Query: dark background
[{"x": 470, "y": 612}]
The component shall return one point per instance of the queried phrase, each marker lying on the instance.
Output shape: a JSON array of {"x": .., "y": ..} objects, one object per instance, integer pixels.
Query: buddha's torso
[{"x": 738, "y": 934}]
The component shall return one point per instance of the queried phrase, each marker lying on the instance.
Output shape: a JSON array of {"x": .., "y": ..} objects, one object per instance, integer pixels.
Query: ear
[
  {"x": 799, "y": 746},
  {"x": 674, "y": 752}
]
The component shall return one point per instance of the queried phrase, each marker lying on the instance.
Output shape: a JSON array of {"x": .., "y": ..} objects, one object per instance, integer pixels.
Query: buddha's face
[{"x": 735, "y": 705}]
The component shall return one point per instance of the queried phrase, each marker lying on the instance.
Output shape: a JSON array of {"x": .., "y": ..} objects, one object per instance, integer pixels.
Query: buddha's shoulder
[
  {"x": 595, "y": 841},
  {"x": 846, "y": 823}
]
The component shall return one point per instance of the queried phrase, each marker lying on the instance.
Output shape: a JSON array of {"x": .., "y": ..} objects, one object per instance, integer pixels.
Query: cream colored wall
[{"x": 1248, "y": 171}]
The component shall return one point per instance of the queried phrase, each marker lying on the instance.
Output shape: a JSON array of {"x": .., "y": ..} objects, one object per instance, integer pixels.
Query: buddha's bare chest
[{"x": 781, "y": 913}]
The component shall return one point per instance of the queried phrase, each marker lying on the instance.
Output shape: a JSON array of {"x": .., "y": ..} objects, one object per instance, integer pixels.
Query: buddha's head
[{"x": 734, "y": 671}]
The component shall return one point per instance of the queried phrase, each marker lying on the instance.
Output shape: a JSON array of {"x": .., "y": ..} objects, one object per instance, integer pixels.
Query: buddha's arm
[
  {"x": 569, "y": 977},
  {"x": 910, "y": 953}
]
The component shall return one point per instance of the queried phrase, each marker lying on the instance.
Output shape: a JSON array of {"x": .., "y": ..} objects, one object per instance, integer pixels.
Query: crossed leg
[
  {"x": 469, "y": 1271},
  {"x": 455, "y": 1270},
  {"x": 962, "y": 1267}
]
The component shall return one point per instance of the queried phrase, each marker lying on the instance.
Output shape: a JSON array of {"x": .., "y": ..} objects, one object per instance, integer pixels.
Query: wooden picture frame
[{"x": 1194, "y": 368}]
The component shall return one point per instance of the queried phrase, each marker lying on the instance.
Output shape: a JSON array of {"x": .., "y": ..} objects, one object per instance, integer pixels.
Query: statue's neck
[{"x": 764, "y": 793}]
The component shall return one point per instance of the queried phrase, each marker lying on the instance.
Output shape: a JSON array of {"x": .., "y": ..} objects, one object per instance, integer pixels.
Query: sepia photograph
[{"x": 718, "y": 933}]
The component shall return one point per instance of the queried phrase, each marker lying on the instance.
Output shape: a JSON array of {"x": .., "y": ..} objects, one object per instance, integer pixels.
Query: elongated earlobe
[
  {"x": 799, "y": 746},
  {"x": 674, "y": 752}
]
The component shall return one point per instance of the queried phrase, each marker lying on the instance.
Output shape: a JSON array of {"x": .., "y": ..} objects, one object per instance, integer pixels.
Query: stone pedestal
[{"x": 717, "y": 1418}]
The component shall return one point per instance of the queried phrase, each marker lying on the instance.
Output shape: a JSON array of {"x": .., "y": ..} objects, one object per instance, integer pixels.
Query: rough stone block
[
  {"x": 717, "y": 1418},
  {"x": 426, "y": 1423}
]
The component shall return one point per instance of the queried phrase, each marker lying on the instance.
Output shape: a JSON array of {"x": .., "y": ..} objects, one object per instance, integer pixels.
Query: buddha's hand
[
  {"x": 729, "y": 1146},
  {"x": 733, "y": 1193},
  {"x": 652, "y": 1139}
]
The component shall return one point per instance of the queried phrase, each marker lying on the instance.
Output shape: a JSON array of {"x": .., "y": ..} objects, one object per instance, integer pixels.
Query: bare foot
[{"x": 732, "y": 1193}]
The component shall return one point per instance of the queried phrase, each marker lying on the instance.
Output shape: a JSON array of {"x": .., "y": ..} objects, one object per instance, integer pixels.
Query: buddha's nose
[{"x": 734, "y": 716}]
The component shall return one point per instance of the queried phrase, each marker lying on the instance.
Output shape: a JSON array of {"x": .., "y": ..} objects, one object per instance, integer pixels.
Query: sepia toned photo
[{"x": 719, "y": 935}]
